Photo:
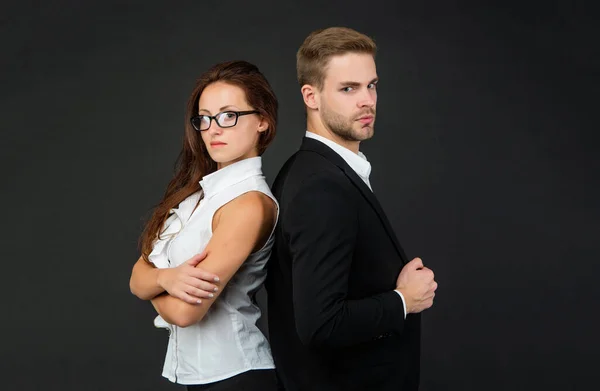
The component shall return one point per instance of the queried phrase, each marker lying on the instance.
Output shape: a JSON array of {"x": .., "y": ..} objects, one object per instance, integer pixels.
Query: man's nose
[{"x": 367, "y": 99}]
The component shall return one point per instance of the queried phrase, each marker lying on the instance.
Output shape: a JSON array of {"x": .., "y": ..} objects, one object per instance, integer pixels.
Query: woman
[{"x": 218, "y": 204}]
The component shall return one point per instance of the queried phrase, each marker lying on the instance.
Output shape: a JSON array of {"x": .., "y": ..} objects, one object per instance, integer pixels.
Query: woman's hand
[{"x": 187, "y": 282}]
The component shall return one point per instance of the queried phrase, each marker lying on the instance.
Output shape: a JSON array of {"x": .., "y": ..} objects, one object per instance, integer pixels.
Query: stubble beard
[{"x": 348, "y": 129}]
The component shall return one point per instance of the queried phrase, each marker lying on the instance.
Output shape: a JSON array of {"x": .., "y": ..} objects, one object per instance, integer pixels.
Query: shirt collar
[
  {"x": 358, "y": 162},
  {"x": 228, "y": 176}
]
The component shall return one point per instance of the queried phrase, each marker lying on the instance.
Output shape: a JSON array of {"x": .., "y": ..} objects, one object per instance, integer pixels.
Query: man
[{"x": 344, "y": 302}]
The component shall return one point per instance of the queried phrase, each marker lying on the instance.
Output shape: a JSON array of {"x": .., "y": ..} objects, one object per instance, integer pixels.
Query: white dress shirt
[
  {"x": 226, "y": 342},
  {"x": 360, "y": 165}
]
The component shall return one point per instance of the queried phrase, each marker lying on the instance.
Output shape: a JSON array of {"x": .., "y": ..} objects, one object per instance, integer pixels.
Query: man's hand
[
  {"x": 188, "y": 283},
  {"x": 417, "y": 286}
]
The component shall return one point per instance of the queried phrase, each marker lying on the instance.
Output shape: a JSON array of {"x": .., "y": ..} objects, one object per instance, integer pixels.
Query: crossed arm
[
  {"x": 239, "y": 228},
  {"x": 185, "y": 281}
]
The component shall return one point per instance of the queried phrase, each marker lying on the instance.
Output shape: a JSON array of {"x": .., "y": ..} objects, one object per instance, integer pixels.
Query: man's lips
[{"x": 365, "y": 119}]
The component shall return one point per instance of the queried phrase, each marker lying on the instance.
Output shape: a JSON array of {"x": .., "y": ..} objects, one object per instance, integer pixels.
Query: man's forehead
[{"x": 354, "y": 67}]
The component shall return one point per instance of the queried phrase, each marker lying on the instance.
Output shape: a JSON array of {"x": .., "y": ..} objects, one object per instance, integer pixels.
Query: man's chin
[{"x": 365, "y": 132}]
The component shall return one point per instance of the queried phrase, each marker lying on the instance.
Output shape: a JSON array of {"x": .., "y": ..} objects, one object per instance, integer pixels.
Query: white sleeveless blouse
[{"x": 226, "y": 342}]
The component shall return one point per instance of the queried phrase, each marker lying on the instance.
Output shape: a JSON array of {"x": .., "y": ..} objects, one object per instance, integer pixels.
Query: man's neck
[{"x": 316, "y": 126}]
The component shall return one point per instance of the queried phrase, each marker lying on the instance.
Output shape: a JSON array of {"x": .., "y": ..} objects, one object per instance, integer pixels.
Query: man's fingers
[
  {"x": 430, "y": 286},
  {"x": 416, "y": 263},
  {"x": 428, "y": 271},
  {"x": 429, "y": 296}
]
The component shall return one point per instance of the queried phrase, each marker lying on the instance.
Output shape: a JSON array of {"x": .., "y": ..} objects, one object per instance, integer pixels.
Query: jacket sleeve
[{"x": 321, "y": 225}]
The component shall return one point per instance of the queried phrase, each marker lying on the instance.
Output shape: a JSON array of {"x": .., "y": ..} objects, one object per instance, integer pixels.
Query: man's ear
[{"x": 310, "y": 95}]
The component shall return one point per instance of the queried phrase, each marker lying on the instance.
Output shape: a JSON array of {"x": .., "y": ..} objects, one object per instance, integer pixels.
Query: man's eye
[
  {"x": 347, "y": 89},
  {"x": 372, "y": 86}
]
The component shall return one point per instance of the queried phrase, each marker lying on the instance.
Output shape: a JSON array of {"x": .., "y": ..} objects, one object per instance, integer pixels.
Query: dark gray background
[{"x": 484, "y": 159}]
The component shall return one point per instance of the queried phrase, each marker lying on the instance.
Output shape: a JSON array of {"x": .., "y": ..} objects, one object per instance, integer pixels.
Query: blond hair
[{"x": 318, "y": 48}]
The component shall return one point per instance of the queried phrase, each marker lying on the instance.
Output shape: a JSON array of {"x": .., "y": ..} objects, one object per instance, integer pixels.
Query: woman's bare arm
[
  {"x": 240, "y": 227},
  {"x": 185, "y": 281}
]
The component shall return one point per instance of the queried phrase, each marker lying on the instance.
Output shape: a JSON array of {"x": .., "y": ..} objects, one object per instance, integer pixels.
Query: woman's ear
[{"x": 263, "y": 125}]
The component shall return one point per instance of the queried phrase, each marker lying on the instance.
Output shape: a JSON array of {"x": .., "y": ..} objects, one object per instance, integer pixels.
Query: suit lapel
[{"x": 309, "y": 144}]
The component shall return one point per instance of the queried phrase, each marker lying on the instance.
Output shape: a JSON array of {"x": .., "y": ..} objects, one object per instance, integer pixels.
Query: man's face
[{"x": 348, "y": 99}]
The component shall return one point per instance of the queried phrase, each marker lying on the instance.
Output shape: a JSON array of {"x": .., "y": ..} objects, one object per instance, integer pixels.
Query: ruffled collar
[
  {"x": 211, "y": 185},
  {"x": 228, "y": 176}
]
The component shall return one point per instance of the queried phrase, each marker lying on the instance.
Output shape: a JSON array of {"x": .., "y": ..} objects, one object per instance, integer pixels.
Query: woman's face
[{"x": 231, "y": 144}]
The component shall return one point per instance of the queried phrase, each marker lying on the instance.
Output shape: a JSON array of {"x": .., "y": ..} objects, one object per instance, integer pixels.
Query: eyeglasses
[{"x": 225, "y": 119}]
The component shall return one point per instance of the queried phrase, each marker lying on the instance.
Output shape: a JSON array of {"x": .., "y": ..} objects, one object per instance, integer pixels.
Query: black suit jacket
[{"x": 335, "y": 322}]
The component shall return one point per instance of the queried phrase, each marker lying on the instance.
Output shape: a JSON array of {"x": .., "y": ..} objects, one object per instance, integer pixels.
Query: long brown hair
[{"x": 194, "y": 162}]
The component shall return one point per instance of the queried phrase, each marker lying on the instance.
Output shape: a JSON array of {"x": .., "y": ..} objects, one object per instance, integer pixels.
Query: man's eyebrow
[
  {"x": 350, "y": 83},
  {"x": 357, "y": 84}
]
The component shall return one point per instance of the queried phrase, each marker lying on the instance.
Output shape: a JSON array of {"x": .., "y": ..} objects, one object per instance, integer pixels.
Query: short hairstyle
[{"x": 318, "y": 48}]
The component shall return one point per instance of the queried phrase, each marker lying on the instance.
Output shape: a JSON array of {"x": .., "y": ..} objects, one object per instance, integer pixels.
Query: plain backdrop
[{"x": 484, "y": 158}]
